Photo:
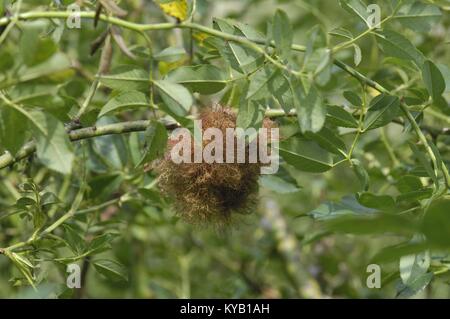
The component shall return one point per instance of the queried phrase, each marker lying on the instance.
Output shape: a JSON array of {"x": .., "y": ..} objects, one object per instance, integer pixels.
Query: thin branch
[
  {"x": 116, "y": 128},
  {"x": 94, "y": 87},
  {"x": 75, "y": 135}
]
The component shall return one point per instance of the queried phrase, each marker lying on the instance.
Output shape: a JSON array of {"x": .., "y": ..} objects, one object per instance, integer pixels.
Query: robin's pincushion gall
[{"x": 211, "y": 193}]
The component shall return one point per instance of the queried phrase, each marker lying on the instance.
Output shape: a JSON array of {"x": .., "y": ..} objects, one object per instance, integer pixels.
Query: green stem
[
  {"x": 89, "y": 15},
  {"x": 95, "y": 85},
  {"x": 116, "y": 128},
  {"x": 100, "y": 206},
  {"x": 150, "y": 69},
  {"x": 438, "y": 115},
  {"x": 421, "y": 137},
  {"x": 13, "y": 21},
  {"x": 389, "y": 148},
  {"x": 362, "y": 78},
  {"x": 352, "y": 147},
  {"x": 360, "y": 130},
  {"x": 250, "y": 43},
  {"x": 363, "y": 34}
]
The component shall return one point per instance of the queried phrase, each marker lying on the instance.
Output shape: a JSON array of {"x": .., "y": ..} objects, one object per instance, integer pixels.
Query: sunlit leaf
[{"x": 174, "y": 8}]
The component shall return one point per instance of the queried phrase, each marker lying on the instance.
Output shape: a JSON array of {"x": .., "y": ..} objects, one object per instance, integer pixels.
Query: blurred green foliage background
[{"x": 282, "y": 250}]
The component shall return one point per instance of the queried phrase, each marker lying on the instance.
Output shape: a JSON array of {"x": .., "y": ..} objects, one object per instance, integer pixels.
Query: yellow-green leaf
[{"x": 174, "y": 8}]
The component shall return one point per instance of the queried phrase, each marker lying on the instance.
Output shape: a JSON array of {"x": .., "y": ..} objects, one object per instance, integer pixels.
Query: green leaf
[
  {"x": 6, "y": 62},
  {"x": 436, "y": 223},
  {"x": 381, "y": 202},
  {"x": 124, "y": 101},
  {"x": 424, "y": 161},
  {"x": 33, "y": 93},
  {"x": 393, "y": 253},
  {"x": 100, "y": 243},
  {"x": 34, "y": 48},
  {"x": 340, "y": 117},
  {"x": 240, "y": 58},
  {"x": 104, "y": 185},
  {"x": 281, "y": 91},
  {"x": 126, "y": 78},
  {"x": 434, "y": 81},
  {"x": 317, "y": 58},
  {"x": 53, "y": 146},
  {"x": 415, "y": 195},
  {"x": 73, "y": 239},
  {"x": 251, "y": 114},
  {"x": 414, "y": 286},
  {"x": 341, "y": 32},
  {"x": 353, "y": 98},
  {"x": 311, "y": 111},
  {"x": 25, "y": 201},
  {"x": 277, "y": 184},
  {"x": 411, "y": 188},
  {"x": 396, "y": 45},
  {"x": 356, "y": 7},
  {"x": 413, "y": 266},
  {"x": 346, "y": 206},
  {"x": 282, "y": 34},
  {"x": 171, "y": 54},
  {"x": 111, "y": 269},
  {"x": 305, "y": 155},
  {"x": 329, "y": 140},
  {"x": 111, "y": 150},
  {"x": 57, "y": 67},
  {"x": 361, "y": 173},
  {"x": 204, "y": 78},
  {"x": 23, "y": 264},
  {"x": 155, "y": 142},
  {"x": 408, "y": 183},
  {"x": 260, "y": 81},
  {"x": 322, "y": 73},
  {"x": 375, "y": 224},
  {"x": 418, "y": 16},
  {"x": 445, "y": 71},
  {"x": 13, "y": 130},
  {"x": 357, "y": 57},
  {"x": 248, "y": 31},
  {"x": 383, "y": 109},
  {"x": 49, "y": 198},
  {"x": 177, "y": 99}
]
